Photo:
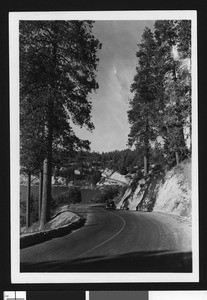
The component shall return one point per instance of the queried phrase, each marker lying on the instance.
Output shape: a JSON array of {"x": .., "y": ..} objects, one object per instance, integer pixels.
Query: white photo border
[
  {"x": 178, "y": 295},
  {"x": 16, "y": 275}
]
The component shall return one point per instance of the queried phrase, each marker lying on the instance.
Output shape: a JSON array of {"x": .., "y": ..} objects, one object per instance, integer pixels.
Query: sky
[{"x": 116, "y": 70}]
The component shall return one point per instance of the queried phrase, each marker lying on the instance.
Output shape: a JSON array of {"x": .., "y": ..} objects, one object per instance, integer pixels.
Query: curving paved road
[{"x": 115, "y": 241}]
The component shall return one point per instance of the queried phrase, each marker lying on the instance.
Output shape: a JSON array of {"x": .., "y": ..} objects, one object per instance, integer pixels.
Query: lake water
[{"x": 87, "y": 195}]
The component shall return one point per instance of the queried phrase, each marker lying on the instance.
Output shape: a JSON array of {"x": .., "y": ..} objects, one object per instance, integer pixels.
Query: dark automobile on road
[{"x": 110, "y": 204}]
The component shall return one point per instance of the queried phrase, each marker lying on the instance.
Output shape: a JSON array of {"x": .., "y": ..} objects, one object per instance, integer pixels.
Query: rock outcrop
[{"x": 165, "y": 191}]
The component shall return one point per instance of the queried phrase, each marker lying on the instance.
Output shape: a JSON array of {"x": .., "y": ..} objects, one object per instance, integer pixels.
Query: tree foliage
[
  {"x": 142, "y": 107},
  {"x": 57, "y": 72},
  {"x": 160, "y": 110},
  {"x": 177, "y": 85}
]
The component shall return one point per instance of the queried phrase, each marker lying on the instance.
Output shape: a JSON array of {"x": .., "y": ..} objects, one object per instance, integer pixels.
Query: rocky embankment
[
  {"x": 63, "y": 222},
  {"x": 164, "y": 191}
]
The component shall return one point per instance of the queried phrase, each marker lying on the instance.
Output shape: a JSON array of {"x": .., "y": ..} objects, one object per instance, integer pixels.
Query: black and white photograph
[{"x": 104, "y": 154}]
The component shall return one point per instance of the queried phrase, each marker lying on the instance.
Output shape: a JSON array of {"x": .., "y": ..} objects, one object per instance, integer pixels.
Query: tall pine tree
[
  {"x": 142, "y": 107},
  {"x": 57, "y": 72},
  {"x": 174, "y": 92}
]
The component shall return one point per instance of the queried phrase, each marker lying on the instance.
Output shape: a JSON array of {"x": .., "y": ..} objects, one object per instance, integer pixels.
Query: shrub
[
  {"x": 110, "y": 192},
  {"x": 95, "y": 177},
  {"x": 72, "y": 196},
  {"x": 75, "y": 195},
  {"x": 34, "y": 206},
  {"x": 122, "y": 190},
  {"x": 123, "y": 170},
  {"x": 60, "y": 200}
]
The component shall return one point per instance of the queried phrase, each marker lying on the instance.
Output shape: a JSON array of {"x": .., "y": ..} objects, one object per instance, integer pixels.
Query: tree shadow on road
[{"x": 142, "y": 261}]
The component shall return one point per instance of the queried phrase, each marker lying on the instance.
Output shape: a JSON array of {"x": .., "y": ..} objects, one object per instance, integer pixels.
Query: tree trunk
[
  {"x": 47, "y": 164},
  {"x": 190, "y": 129},
  {"x": 40, "y": 192},
  {"x": 47, "y": 172},
  {"x": 177, "y": 157},
  {"x": 180, "y": 139},
  {"x": 146, "y": 145},
  {"x": 73, "y": 176},
  {"x": 28, "y": 206},
  {"x": 46, "y": 193},
  {"x": 145, "y": 165}
]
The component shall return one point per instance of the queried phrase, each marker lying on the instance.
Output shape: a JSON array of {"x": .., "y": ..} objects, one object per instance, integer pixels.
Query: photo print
[{"x": 104, "y": 155}]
